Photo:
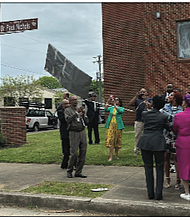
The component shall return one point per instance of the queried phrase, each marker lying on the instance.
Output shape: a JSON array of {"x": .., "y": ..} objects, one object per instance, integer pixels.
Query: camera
[{"x": 140, "y": 95}]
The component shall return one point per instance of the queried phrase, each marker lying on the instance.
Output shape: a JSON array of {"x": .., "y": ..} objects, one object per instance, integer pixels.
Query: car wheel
[{"x": 36, "y": 127}]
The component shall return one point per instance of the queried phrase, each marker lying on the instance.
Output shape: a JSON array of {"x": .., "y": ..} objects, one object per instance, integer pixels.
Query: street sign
[{"x": 10, "y": 27}]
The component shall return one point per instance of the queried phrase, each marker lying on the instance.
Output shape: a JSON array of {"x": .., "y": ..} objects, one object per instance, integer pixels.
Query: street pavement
[{"x": 127, "y": 197}]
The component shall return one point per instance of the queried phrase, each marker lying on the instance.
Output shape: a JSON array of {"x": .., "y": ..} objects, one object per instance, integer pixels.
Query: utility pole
[{"x": 99, "y": 77}]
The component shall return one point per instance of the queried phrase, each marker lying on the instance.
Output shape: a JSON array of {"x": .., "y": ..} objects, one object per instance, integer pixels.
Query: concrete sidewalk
[{"x": 128, "y": 197}]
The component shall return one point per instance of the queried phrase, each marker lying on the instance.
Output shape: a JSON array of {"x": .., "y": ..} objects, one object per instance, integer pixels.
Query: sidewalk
[{"x": 128, "y": 197}]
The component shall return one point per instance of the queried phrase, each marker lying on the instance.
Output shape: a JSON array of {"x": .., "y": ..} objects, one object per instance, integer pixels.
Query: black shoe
[
  {"x": 80, "y": 175},
  {"x": 159, "y": 197},
  {"x": 63, "y": 167},
  {"x": 90, "y": 142},
  {"x": 69, "y": 175}
]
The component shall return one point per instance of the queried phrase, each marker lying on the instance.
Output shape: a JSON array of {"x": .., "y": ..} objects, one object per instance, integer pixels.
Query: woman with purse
[{"x": 114, "y": 124}]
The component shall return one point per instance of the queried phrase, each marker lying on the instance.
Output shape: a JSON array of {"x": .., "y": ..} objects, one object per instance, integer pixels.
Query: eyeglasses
[
  {"x": 116, "y": 99},
  {"x": 73, "y": 100}
]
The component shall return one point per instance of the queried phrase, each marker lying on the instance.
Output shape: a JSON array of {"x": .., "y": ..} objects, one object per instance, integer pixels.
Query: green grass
[
  {"x": 46, "y": 148},
  {"x": 68, "y": 189}
]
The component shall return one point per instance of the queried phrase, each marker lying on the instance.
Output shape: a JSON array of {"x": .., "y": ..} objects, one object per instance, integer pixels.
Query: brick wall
[
  {"x": 140, "y": 50},
  {"x": 13, "y": 124}
]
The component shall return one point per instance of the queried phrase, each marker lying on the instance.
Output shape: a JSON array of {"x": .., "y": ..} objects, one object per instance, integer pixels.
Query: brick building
[{"x": 143, "y": 50}]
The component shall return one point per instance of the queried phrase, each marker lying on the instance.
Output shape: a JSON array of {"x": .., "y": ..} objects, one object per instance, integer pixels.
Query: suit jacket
[
  {"x": 119, "y": 115},
  {"x": 181, "y": 127},
  {"x": 76, "y": 122},
  {"x": 152, "y": 138},
  {"x": 90, "y": 111},
  {"x": 64, "y": 133}
]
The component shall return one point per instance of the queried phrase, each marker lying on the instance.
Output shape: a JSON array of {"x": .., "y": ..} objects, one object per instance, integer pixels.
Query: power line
[
  {"x": 48, "y": 43},
  {"x": 18, "y": 68},
  {"x": 10, "y": 46},
  {"x": 22, "y": 48}
]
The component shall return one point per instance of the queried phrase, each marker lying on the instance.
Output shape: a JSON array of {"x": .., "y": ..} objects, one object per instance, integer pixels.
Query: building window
[
  {"x": 9, "y": 101},
  {"x": 183, "y": 32},
  {"x": 48, "y": 103}
]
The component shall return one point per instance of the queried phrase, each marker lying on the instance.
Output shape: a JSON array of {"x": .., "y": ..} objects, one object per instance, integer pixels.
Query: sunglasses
[{"x": 116, "y": 99}]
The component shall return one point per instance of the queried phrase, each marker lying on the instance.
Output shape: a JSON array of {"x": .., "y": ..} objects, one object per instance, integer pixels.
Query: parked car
[{"x": 38, "y": 118}]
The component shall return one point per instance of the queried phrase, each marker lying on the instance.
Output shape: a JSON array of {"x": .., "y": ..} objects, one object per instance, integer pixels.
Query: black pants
[
  {"x": 93, "y": 125},
  {"x": 66, "y": 152},
  {"x": 147, "y": 157}
]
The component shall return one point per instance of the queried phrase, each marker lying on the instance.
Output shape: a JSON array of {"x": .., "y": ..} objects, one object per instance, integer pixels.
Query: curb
[{"x": 122, "y": 207}]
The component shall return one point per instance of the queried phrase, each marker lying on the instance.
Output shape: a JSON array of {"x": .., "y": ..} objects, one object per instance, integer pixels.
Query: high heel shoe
[
  {"x": 167, "y": 184},
  {"x": 178, "y": 184}
]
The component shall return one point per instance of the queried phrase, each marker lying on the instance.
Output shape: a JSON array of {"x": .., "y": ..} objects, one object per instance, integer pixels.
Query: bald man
[{"x": 77, "y": 120}]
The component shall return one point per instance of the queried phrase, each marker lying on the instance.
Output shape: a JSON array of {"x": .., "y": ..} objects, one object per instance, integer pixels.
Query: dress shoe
[
  {"x": 159, "y": 197},
  {"x": 80, "y": 175},
  {"x": 69, "y": 175},
  {"x": 90, "y": 142}
]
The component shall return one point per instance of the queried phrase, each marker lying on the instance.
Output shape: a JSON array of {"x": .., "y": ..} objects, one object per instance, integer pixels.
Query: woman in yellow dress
[{"x": 114, "y": 124}]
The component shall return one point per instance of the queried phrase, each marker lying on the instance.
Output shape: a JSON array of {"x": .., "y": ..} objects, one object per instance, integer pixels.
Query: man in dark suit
[
  {"x": 93, "y": 117},
  {"x": 169, "y": 89},
  {"x": 152, "y": 144},
  {"x": 64, "y": 133}
]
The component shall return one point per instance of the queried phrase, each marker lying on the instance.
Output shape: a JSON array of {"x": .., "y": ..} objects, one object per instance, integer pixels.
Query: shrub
[{"x": 3, "y": 139}]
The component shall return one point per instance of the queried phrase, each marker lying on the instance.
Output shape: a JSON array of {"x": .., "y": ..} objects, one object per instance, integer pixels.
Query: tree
[
  {"x": 49, "y": 82},
  {"x": 95, "y": 87},
  {"x": 21, "y": 86}
]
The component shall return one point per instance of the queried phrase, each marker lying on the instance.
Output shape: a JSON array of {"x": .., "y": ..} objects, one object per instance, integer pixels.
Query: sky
[{"x": 75, "y": 29}]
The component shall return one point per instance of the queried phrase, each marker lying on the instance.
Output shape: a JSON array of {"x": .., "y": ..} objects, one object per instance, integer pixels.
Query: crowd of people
[{"x": 162, "y": 133}]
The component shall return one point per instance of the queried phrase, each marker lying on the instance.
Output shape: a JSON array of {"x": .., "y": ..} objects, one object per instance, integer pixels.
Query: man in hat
[{"x": 93, "y": 117}]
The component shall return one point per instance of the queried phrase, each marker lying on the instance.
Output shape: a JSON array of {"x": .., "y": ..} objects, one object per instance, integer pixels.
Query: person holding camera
[
  {"x": 141, "y": 102},
  {"x": 114, "y": 124},
  {"x": 169, "y": 89},
  {"x": 93, "y": 117},
  {"x": 76, "y": 120},
  {"x": 174, "y": 106}
]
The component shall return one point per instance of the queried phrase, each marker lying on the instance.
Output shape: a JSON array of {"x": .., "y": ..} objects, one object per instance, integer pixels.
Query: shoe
[
  {"x": 167, "y": 184},
  {"x": 80, "y": 175},
  {"x": 69, "y": 175},
  {"x": 90, "y": 142},
  {"x": 63, "y": 167},
  {"x": 109, "y": 160},
  {"x": 151, "y": 196},
  {"x": 184, "y": 196},
  {"x": 178, "y": 184},
  {"x": 159, "y": 198},
  {"x": 137, "y": 152}
]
